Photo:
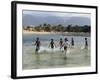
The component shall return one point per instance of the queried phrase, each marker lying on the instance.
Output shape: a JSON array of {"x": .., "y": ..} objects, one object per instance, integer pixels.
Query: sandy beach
[
  {"x": 35, "y": 32},
  {"x": 61, "y": 33}
]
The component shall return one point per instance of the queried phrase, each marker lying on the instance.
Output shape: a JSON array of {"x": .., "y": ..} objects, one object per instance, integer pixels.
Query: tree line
[{"x": 58, "y": 28}]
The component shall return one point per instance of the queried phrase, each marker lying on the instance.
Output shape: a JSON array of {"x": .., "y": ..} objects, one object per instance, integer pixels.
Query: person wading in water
[
  {"x": 72, "y": 42},
  {"x": 86, "y": 43},
  {"x": 37, "y": 44},
  {"x": 61, "y": 43},
  {"x": 65, "y": 45},
  {"x": 52, "y": 44}
]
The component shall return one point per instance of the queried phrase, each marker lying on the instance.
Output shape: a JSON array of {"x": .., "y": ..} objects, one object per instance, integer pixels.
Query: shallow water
[{"x": 47, "y": 58}]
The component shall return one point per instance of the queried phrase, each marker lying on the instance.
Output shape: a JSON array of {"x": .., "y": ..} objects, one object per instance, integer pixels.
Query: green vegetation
[{"x": 58, "y": 28}]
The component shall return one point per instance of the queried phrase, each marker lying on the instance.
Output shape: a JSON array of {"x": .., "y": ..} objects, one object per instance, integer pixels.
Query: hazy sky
[
  {"x": 59, "y": 14},
  {"x": 40, "y": 17}
]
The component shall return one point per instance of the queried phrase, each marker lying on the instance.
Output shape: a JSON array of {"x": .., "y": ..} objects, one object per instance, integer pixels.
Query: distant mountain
[
  {"x": 79, "y": 21},
  {"x": 36, "y": 20}
]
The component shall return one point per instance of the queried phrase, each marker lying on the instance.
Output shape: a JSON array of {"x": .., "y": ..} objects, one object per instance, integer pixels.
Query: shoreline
[
  {"x": 35, "y": 32},
  {"x": 60, "y": 33}
]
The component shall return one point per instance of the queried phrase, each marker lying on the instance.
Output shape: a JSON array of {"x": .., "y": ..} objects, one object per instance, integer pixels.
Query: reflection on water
[{"x": 47, "y": 58}]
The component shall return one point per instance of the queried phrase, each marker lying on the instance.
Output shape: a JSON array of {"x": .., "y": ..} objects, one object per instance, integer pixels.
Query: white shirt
[{"x": 66, "y": 43}]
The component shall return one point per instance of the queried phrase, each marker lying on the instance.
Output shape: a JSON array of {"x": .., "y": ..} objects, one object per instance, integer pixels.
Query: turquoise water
[{"x": 47, "y": 58}]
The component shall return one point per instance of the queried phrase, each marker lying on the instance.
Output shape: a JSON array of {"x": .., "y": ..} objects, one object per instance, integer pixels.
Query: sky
[
  {"x": 59, "y": 14},
  {"x": 40, "y": 17}
]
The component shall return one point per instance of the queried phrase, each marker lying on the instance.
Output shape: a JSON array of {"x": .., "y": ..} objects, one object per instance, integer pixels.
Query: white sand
[
  {"x": 35, "y": 32},
  {"x": 62, "y": 33}
]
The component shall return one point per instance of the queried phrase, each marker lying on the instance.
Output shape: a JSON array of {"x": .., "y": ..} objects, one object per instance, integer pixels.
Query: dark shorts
[
  {"x": 65, "y": 47},
  {"x": 72, "y": 44},
  {"x": 52, "y": 47},
  {"x": 37, "y": 48}
]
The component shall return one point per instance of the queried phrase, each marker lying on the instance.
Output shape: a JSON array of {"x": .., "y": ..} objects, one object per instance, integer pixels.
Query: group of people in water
[{"x": 62, "y": 44}]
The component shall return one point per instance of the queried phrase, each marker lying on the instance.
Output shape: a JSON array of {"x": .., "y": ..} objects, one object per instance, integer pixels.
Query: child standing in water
[
  {"x": 86, "y": 43},
  {"x": 61, "y": 43},
  {"x": 72, "y": 42},
  {"x": 65, "y": 45},
  {"x": 37, "y": 44},
  {"x": 52, "y": 44}
]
